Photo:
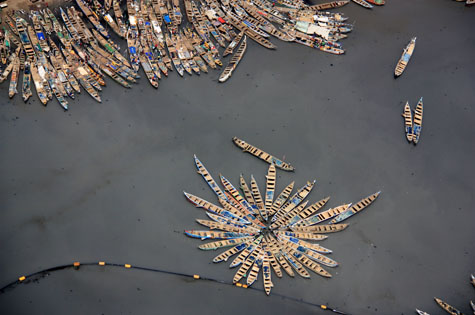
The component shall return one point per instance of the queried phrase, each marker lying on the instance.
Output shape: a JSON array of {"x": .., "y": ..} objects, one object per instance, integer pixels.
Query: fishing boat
[
  {"x": 174, "y": 55},
  {"x": 12, "y": 90},
  {"x": 405, "y": 57},
  {"x": 41, "y": 37},
  {"x": 229, "y": 50},
  {"x": 38, "y": 84},
  {"x": 93, "y": 18},
  {"x": 246, "y": 147},
  {"x": 363, "y": 3},
  {"x": 26, "y": 84},
  {"x": 69, "y": 26},
  {"x": 6, "y": 72},
  {"x": 329, "y": 5},
  {"x": 228, "y": 71},
  {"x": 355, "y": 208},
  {"x": 152, "y": 78},
  {"x": 407, "y": 114},
  {"x": 108, "y": 18},
  {"x": 133, "y": 53},
  {"x": 376, "y": 2},
  {"x": 418, "y": 121},
  {"x": 448, "y": 308},
  {"x": 25, "y": 40}
]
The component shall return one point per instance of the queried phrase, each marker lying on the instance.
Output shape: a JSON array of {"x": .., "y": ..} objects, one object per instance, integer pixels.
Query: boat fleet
[
  {"x": 269, "y": 231},
  {"x": 73, "y": 49}
]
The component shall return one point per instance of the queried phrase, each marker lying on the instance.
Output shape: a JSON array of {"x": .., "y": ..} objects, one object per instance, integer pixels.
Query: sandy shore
[{"x": 105, "y": 181}]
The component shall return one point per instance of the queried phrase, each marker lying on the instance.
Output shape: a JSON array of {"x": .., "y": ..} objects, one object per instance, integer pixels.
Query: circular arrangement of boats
[{"x": 267, "y": 231}]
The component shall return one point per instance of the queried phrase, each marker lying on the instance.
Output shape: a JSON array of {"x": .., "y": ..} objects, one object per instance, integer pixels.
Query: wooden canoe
[
  {"x": 407, "y": 114},
  {"x": 246, "y": 147},
  {"x": 355, "y": 208},
  {"x": 405, "y": 57},
  {"x": 448, "y": 308},
  {"x": 228, "y": 71},
  {"x": 363, "y": 3},
  {"x": 418, "y": 121}
]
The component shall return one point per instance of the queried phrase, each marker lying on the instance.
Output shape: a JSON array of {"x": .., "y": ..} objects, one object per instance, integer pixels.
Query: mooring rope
[{"x": 76, "y": 265}]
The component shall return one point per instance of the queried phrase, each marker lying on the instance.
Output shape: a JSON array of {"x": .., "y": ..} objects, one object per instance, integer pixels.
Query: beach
[{"x": 105, "y": 181}]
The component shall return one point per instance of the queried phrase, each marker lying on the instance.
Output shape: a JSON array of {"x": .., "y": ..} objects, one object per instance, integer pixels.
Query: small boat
[
  {"x": 472, "y": 305},
  {"x": 357, "y": 207},
  {"x": 376, "y": 2},
  {"x": 270, "y": 187},
  {"x": 363, "y": 3},
  {"x": 229, "y": 50},
  {"x": 408, "y": 121},
  {"x": 12, "y": 90},
  {"x": 470, "y": 2},
  {"x": 6, "y": 72},
  {"x": 472, "y": 279},
  {"x": 38, "y": 84},
  {"x": 294, "y": 201},
  {"x": 152, "y": 78},
  {"x": 246, "y": 147},
  {"x": 405, "y": 57},
  {"x": 421, "y": 312},
  {"x": 418, "y": 121},
  {"x": 228, "y": 71},
  {"x": 93, "y": 18},
  {"x": 448, "y": 308},
  {"x": 26, "y": 86},
  {"x": 329, "y": 5}
]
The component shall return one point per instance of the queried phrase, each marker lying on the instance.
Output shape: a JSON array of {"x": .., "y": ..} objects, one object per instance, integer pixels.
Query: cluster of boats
[
  {"x": 449, "y": 308},
  {"x": 62, "y": 54},
  {"x": 269, "y": 231}
]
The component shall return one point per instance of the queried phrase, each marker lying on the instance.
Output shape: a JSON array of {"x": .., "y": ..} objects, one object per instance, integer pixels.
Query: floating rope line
[{"x": 76, "y": 265}]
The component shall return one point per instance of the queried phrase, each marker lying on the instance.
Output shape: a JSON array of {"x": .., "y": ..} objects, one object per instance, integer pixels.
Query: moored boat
[
  {"x": 26, "y": 84},
  {"x": 228, "y": 71},
  {"x": 12, "y": 89},
  {"x": 363, "y": 3}
]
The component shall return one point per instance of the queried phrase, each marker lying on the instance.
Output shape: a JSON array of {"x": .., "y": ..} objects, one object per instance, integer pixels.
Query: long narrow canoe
[
  {"x": 357, "y": 207},
  {"x": 295, "y": 200},
  {"x": 26, "y": 85},
  {"x": 228, "y": 71},
  {"x": 448, "y": 308},
  {"x": 229, "y": 50},
  {"x": 405, "y": 57},
  {"x": 246, "y": 147},
  {"x": 329, "y": 5},
  {"x": 376, "y": 2},
  {"x": 363, "y": 3},
  {"x": 270, "y": 187},
  {"x": 407, "y": 114},
  {"x": 418, "y": 121},
  {"x": 281, "y": 199}
]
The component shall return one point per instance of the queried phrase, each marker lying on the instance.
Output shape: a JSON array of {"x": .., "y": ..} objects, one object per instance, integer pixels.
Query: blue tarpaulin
[
  {"x": 167, "y": 19},
  {"x": 41, "y": 36},
  {"x": 132, "y": 50}
]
